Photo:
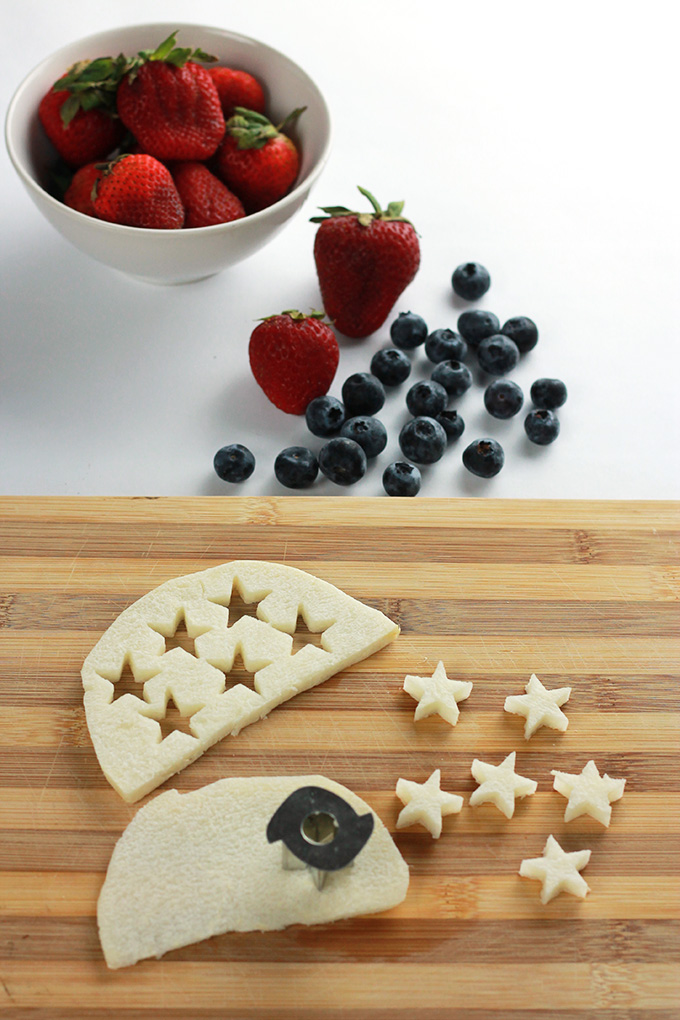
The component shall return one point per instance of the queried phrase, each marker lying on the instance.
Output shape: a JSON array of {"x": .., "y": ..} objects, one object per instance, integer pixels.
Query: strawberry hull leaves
[{"x": 364, "y": 261}]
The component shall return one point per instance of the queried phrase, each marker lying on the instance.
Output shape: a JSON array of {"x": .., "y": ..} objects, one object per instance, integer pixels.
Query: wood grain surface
[{"x": 583, "y": 594}]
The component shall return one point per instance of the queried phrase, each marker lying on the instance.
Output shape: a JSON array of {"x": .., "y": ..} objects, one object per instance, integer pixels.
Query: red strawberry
[
  {"x": 170, "y": 103},
  {"x": 138, "y": 191},
  {"x": 364, "y": 261},
  {"x": 237, "y": 88},
  {"x": 78, "y": 195},
  {"x": 81, "y": 125},
  {"x": 256, "y": 160},
  {"x": 205, "y": 198},
  {"x": 294, "y": 358}
]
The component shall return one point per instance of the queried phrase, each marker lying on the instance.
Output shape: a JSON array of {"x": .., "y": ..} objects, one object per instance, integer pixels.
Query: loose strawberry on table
[
  {"x": 138, "y": 191},
  {"x": 364, "y": 261},
  {"x": 205, "y": 198},
  {"x": 170, "y": 103},
  {"x": 294, "y": 358},
  {"x": 257, "y": 160}
]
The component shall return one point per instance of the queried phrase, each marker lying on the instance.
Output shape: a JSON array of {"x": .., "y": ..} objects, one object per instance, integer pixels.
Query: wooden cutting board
[{"x": 583, "y": 594}]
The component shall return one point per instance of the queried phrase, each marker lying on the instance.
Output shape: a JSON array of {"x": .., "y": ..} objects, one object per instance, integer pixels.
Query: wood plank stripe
[
  {"x": 470, "y": 897},
  {"x": 393, "y": 731},
  {"x": 90, "y": 810},
  {"x": 125, "y": 579},
  {"x": 28, "y": 652},
  {"x": 581, "y": 986}
]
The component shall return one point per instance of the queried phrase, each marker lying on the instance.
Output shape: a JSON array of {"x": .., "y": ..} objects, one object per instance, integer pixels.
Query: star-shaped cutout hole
[
  {"x": 238, "y": 607},
  {"x": 238, "y": 674},
  {"x": 557, "y": 870},
  {"x": 426, "y": 803},
  {"x": 588, "y": 793},
  {"x": 174, "y": 720},
  {"x": 500, "y": 784},
  {"x": 437, "y": 695},
  {"x": 127, "y": 684},
  {"x": 539, "y": 706},
  {"x": 304, "y": 636},
  {"x": 179, "y": 638}
]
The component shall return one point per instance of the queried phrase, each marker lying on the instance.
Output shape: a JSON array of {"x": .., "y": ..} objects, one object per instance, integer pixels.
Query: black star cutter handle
[{"x": 319, "y": 830}]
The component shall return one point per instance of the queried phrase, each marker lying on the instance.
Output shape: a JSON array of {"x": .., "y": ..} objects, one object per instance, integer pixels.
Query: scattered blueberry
[
  {"x": 401, "y": 479},
  {"x": 368, "y": 432},
  {"x": 498, "y": 354},
  {"x": 296, "y": 467},
  {"x": 503, "y": 398},
  {"x": 445, "y": 345},
  {"x": 234, "y": 463},
  {"x": 470, "y": 281},
  {"x": 427, "y": 397},
  {"x": 542, "y": 426},
  {"x": 324, "y": 416},
  {"x": 391, "y": 366},
  {"x": 484, "y": 457},
  {"x": 423, "y": 440},
  {"x": 452, "y": 423},
  {"x": 548, "y": 393},
  {"x": 523, "y": 331},
  {"x": 454, "y": 376},
  {"x": 408, "y": 331},
  {"x": 476, "y": 325},
  {"x": 362, "y": 393},
  {"x": 342, "y": 461}
]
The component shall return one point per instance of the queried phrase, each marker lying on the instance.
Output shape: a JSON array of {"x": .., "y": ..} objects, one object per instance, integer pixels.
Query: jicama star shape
[
  {"x": 500, "y": 784},
  {"x": 426, "y": 803},
  {"x": 557, "y": 870},
  {"x": 437, "y": 695},
  {"x": 539, "y": 706},
  {"x": 588, "y": 793}
]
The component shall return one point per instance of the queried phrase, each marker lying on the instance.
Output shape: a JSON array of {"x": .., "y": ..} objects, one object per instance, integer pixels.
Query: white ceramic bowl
[{"x": 171, "y": 256}]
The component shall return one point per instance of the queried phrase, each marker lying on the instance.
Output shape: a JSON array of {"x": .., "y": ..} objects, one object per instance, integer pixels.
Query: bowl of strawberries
[{"x": 168, "y": 152}]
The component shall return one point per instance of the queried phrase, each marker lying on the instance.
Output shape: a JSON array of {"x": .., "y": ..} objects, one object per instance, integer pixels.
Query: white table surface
[{"x": 537, "y": 138}]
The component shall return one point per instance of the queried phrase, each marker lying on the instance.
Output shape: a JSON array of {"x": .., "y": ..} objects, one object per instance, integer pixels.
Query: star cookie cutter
[{"x": 319, "y": 831}]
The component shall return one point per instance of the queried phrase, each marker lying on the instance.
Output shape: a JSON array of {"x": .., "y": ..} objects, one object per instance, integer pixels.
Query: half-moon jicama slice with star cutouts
[{"x": 178, "y": 650}]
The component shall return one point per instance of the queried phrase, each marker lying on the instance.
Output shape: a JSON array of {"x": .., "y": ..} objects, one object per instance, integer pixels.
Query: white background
[{"x": 539, "y": 138}]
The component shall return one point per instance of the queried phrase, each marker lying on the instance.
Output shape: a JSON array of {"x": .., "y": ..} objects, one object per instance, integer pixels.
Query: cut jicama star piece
[
  {"x": 539, "y": 706},
  {"x": 500, "y": 784},
  {"x": 437, "y": 695},
  {"x": 426, "y": 803},
  {"x": 557, "y": 870},
  {"x": 588, "y": 793}
]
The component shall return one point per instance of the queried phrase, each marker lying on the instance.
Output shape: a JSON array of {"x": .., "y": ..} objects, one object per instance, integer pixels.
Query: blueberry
[
  {"x": 362, "y": 393},
  {"x": 548, "y": 393},
  {"x": 452, "y": 423},
  {"x": 542, "y": 426},
  {"x": 454, "y": 376},
  {"x": 476, "y": 325},
  {"x": 497, "y": 354},
  {"x": 391, "y": 366},
  {"x": 470, "y": 281},
  {"x": 401, "y": 479},
  {"x": 423, "y": 440},
  {"x": 368, "y": 432},
  {"x": 484, "y": 457},
  {"x": 234, "y": 463},
  {"x": 523, "y": 331},
  {"x": 426, "y": 397},
  {"x": 445, "y": 345},
  {"x": 296, "y": 467},
  {"x": 342, "y": 461},
  {"x": 408, "y": 331},
  {"x": 503, "y": 398},
  {"x": 324, "y": 416}
]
